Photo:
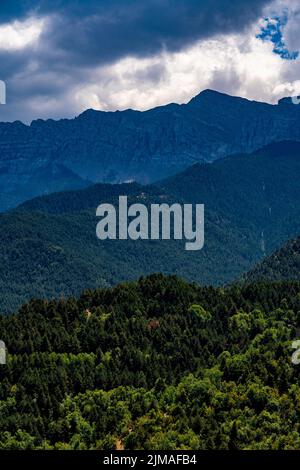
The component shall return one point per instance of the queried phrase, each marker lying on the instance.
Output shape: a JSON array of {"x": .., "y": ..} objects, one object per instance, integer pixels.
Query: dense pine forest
[{"x": 154, "y": 364}]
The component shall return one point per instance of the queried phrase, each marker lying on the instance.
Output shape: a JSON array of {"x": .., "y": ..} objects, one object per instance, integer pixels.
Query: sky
[{"x": 60, "y": 57}]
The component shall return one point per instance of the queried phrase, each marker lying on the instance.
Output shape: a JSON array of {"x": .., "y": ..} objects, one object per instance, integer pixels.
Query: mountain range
[
  {"x": 114, "y": 147},
  {"x": 48, "y": 245}
]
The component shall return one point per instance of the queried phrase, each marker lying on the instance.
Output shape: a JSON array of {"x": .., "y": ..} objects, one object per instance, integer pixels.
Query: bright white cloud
[
  {"x": 20, "y": 34},
  {"x": 238, "y": 64}
]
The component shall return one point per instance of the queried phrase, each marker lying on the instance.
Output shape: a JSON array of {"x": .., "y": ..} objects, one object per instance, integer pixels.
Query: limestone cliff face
[{"x": 117, "y": 146}]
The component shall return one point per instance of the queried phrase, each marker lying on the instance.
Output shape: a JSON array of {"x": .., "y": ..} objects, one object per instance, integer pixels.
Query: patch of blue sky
[{"x": 272, "y": 31}]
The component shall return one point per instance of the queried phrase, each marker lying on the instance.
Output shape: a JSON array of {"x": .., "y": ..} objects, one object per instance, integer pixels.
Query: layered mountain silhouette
[
  {"x": 48, "y": 245},
  {"x": 116, "y": 147}
]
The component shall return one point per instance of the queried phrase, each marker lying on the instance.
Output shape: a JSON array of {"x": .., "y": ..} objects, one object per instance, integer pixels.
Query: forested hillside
[
  {"x": 154, "y": 364},
  {"x": 283, "y": 264},
  {"x": 48, "y": 246}
]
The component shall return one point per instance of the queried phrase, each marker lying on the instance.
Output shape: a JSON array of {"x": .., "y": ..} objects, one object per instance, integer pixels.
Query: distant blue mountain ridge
[{"x": 121, "y": 146}]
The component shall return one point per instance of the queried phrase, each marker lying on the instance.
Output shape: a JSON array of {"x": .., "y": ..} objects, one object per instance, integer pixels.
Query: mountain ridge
[
  {"x": 201, "y": 94},
  {"x": 48, "y": 246},
  {"x": 283, "y": 264},
  {"x": 115, "y": 147}
]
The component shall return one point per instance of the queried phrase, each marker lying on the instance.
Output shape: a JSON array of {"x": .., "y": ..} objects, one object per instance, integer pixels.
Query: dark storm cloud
[
  {"x": 82, "y": 34},
  {"x": 105, "y": 30}
]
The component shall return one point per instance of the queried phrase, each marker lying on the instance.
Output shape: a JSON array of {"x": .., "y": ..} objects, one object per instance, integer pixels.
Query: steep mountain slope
[
  {"x": 143, "y": 146},
  {"x": 283, "y": 264},
  {"x": 48, "y": 246},
  {"x": 44, "y": 179},
  {"x": 54, "y": 253},
  {"x": 260, "y": 192}
]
